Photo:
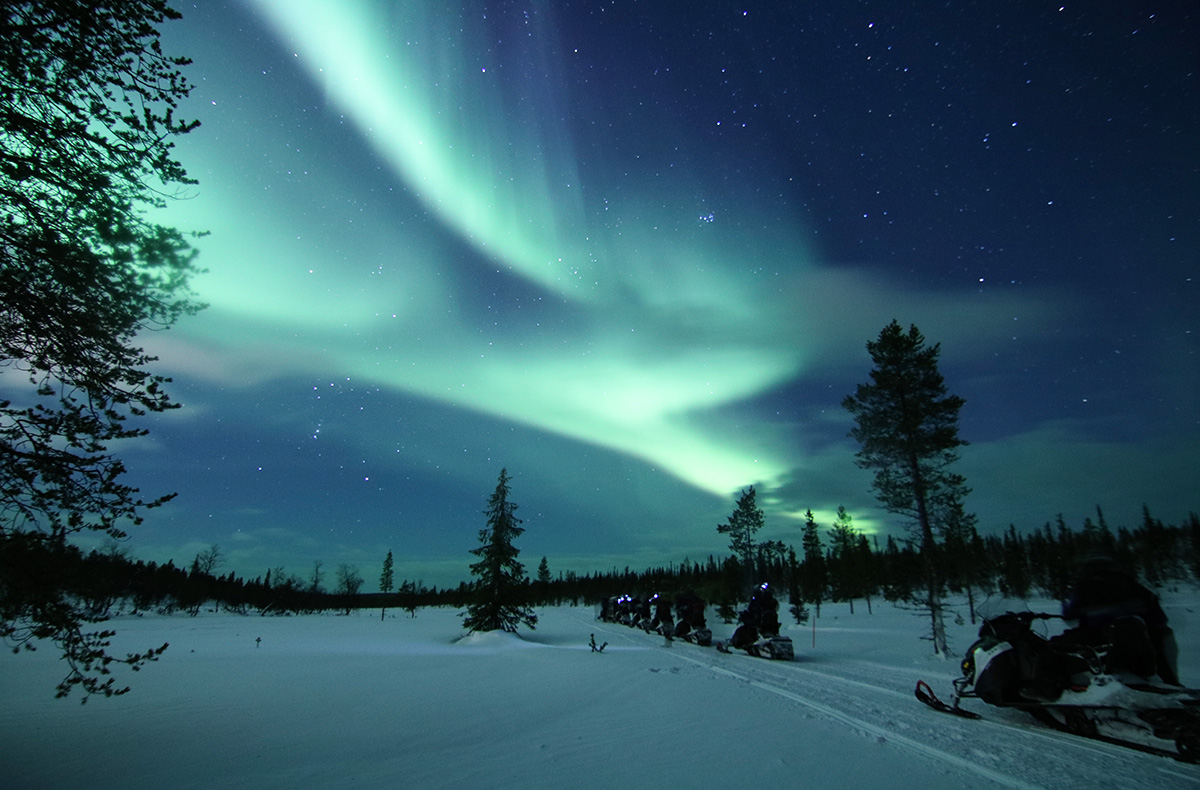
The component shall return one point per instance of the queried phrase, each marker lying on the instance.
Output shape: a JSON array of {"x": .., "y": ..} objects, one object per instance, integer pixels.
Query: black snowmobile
[
  {"x": 691, "y": 625},
  {"x": 628, "y": 610},
  {"x": 1072, "y": 686},
  {"x": 641, "y": 613},
  {"x": 758, "y": 630}
]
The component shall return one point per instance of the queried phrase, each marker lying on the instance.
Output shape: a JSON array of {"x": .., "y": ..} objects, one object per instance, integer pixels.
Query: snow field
[{"x": 329, "y": 701}]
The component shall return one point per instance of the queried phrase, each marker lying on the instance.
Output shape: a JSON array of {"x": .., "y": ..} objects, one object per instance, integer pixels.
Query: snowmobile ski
[
  {"x": 777, "y": 648},
  {"x": 926, "y": 695},
  {"x": 1186, "y": 753},
  {"x": 1154, "y": 688}
]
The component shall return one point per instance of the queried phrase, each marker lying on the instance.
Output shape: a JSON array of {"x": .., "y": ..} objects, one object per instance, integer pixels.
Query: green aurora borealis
[{"x": 634, "y": 255}]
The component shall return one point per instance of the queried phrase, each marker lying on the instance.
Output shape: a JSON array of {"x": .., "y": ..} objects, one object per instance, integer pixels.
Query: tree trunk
[{"x": 937, "y": 623}]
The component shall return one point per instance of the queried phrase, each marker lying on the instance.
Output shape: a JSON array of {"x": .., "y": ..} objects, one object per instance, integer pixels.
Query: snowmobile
[
  {"x": 1073, "y": 687},
  {"x": 758, "y": 632},
  {"x": 627, "y": 610},
  {"x": 697, "y": 633},
  {"x": 697, "y": 636},
  {"x": 691, "y": 625},
  {"x": 778, "y": 648},
  {"x": 640, "y": 613}
]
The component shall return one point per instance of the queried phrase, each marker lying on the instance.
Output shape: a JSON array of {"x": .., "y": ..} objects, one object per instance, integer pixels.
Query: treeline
[
  {"x": 103, "y": 582},
  {"x": 855, "y": 568}
]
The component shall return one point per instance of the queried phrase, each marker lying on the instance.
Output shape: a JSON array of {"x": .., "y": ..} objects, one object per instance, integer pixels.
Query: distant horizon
[{"x": 436, "y": 572}]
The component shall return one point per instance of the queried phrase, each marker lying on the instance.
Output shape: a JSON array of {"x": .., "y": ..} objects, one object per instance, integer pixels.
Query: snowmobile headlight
[{"x": 968, "y": 666}]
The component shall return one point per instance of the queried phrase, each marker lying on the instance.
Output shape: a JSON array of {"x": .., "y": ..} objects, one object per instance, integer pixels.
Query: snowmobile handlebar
[{"x": 1030, "y": 616}]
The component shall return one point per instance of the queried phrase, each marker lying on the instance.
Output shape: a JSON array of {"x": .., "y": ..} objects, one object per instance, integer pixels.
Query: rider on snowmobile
[
  {"x": 758, "y": 618},
  {"x": 765, "y": 610},
  {"x": 689, "y": 609},
  {"x": 1112, "y": 608}
]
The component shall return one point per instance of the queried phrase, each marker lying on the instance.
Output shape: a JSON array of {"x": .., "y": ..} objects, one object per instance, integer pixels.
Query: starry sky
[{"x": 633, "y": 252}]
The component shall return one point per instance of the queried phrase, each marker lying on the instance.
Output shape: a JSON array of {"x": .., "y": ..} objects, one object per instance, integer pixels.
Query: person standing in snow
[{"x": 663, "y": 622}]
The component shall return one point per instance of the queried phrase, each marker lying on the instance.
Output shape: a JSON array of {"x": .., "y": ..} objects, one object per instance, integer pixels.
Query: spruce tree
[
  {"x": 386, "y": 579},
  {"x": 499, "y": 594},
  {"x": 843, "y": 541},
  {"x": 964, "y": 561},
  {"x": 795, "y": 596},
  {"x": 1015, "y": 581},
  {"x": 907, "y": 429},
  {"x": 813, "y": 577},
  {"x": 746, "y": 520},
  {"x": 408, "y": 596}
]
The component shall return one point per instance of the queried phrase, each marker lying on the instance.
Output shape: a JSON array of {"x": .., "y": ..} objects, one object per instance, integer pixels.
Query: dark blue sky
[{"x": 633, "y": 252}]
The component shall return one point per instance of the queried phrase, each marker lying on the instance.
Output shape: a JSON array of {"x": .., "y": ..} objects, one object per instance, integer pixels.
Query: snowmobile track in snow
[
  {"x": 872, "y": 729},
  {"x": 1008, "y": 753}
]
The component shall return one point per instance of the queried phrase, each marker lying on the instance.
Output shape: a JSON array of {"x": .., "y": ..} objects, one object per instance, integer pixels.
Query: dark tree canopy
[
  {"x": 87, "y": 103},
  {"x": 743, "y": 524},
  {"x": 387, "y": 578},
  {"x": 814, "y": 575},
  {"x": 500, "y": 592},
  {"x": 907, "y": 429},
  {"x": 843, "y": 550}
]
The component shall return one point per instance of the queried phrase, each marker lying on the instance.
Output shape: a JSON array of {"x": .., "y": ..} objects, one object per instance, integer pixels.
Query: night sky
[{"x": 633, "y": 252}]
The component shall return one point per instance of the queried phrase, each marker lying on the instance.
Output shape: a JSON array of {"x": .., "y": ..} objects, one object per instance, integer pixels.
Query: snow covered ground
[{"x": 330, "y": 701}]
